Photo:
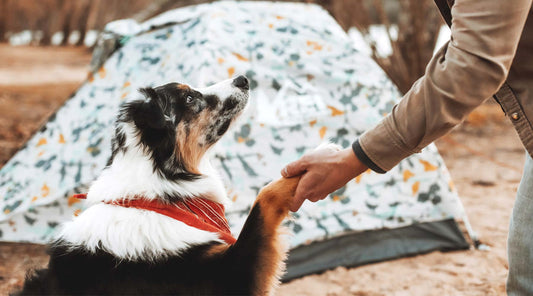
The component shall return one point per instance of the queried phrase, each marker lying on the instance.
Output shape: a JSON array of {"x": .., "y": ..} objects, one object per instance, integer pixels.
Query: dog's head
[{"x": 176, "y": 124}]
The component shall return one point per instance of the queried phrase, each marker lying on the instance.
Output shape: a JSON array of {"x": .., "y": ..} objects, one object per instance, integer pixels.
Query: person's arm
[{"x": 462, "y": 75}]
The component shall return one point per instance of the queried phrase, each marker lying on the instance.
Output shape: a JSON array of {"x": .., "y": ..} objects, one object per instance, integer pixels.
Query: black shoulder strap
[{"x": 445, "y": 11}]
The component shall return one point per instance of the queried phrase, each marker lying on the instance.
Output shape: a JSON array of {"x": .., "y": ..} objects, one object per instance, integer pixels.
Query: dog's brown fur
[{"x": 274, "y": 200}]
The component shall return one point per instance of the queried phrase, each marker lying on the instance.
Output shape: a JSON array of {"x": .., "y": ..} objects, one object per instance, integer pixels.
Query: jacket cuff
[
  {"x": 383, "y": 146},
  {"x": 364, "y": 158}
]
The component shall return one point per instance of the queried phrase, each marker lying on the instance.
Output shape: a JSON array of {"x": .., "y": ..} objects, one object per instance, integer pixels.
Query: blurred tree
[
  {"x": 83, "y": 21},
  {"x": 3, "y": 20},
  {"x": 417, "y": 21},
  {"x": 66, "y": 11},
  {"x": 43, "y": 35},
  {"x": 98, "y": 17}
]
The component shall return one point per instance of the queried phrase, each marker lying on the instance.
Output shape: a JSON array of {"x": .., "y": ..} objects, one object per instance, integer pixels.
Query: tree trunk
[
  {"x": 3, "y": 20},
  {"x": 66, "y": 28},
  {"x": 82, "y": 22},
  {"x": 45, "y": 26}
]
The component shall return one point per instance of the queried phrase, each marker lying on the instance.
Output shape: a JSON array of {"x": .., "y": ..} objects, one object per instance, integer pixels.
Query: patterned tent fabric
[{"x": 309, "y": 85}]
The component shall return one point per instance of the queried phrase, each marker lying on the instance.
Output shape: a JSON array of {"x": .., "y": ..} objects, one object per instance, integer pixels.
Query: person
[{"x": 490, "y": 54}]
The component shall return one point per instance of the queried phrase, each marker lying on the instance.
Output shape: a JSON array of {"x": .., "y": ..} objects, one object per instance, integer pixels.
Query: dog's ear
[{"x": 150, "y": 113}]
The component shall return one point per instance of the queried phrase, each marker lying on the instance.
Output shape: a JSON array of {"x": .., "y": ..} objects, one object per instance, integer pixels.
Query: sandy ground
[
  {"x": 34, "y": 82},
  {"x": 484, "y": 156}
]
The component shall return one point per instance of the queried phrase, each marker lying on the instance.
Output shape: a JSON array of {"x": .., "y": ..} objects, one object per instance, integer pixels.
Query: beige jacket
[{"x": 490, "y": 54}]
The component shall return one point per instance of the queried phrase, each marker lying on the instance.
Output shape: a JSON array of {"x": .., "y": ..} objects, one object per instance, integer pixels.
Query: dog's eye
[{"x": 189, "y": 99}]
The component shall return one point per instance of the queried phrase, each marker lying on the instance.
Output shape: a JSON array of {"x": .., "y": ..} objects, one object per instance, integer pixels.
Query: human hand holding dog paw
[{"x": 324, "y": 171}]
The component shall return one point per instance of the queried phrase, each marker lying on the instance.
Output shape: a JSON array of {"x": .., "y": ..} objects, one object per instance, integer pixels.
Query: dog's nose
[{"x": 241, "y": 82}]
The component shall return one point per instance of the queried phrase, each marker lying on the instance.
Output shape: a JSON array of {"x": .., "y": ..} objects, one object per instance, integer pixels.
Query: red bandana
[{"x": 196, "y": 212}]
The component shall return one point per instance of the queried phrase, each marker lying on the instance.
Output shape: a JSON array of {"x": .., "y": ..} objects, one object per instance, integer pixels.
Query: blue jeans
[{"x": 520, "y": 241}]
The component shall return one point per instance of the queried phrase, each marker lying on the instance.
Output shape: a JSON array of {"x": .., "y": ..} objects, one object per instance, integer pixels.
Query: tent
[{"x": 308, "y": 85}]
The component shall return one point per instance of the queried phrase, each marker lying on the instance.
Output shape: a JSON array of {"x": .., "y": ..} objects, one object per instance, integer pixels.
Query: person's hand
[{"x": 324, "y": 171}]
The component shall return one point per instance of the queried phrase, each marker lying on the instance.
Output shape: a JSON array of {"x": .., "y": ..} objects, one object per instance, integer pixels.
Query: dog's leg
[{"x": 262, "y": 231}]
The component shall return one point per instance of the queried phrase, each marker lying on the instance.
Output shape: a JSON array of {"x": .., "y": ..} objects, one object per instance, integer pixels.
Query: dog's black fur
[{"x": 76, "y": 272}]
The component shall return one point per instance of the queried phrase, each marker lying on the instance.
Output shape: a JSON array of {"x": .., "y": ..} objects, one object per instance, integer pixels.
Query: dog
[{"x": 155, "y": 220}]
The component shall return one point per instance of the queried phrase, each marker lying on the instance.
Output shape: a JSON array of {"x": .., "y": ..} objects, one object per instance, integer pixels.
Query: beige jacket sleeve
[{"x": 463, "y": 74}]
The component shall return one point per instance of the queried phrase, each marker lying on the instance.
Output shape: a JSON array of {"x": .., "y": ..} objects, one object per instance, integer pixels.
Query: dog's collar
[{"x": 197, "y": 212}]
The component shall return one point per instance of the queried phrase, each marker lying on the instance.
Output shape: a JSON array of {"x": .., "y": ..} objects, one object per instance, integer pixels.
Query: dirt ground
[{"x": 484, "y": 156}]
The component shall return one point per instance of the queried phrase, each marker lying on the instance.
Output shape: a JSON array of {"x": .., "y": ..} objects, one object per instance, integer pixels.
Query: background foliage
[{"x": 412, "y": 25}]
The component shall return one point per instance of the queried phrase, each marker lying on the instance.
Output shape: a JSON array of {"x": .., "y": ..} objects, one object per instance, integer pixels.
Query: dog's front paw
[{"x": 276, "y": 197}]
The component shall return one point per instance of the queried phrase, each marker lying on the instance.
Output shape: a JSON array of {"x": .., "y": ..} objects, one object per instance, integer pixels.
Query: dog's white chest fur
[{"x": 130, "y": 233}]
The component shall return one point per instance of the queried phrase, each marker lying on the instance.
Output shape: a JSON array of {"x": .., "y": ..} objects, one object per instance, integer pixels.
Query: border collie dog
[{"x": 155, "y": 220}]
